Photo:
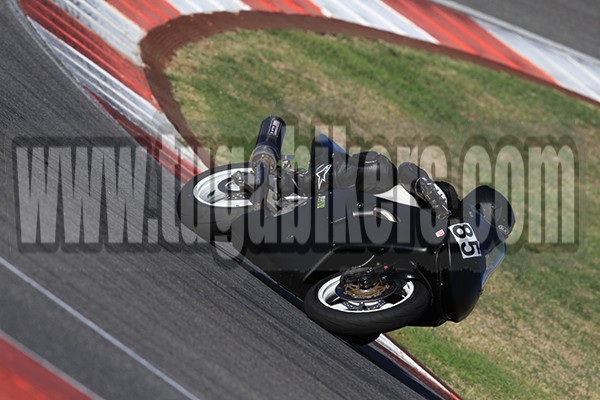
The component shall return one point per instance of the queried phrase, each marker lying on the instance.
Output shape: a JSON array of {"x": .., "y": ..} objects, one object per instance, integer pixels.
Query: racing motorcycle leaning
[{"x": 369, "y": 247}]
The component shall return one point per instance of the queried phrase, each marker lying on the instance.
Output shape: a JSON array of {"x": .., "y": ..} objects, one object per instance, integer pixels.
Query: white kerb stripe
[
  {"x": 211, "y": 5},
  {"x": 479, "y": 16},
  {"x": 383, "y": 22},
  {"x": 568, "y": 77},
  {"x": 208, "y": 6},
  {"x": 186, "y": 6},
  {"x": 375, "y": 14},
  {"x": 550, "y": 60},
  {"x": 587, "y": 69},
  {"x": 588, "y": 77},
  {"x": 338, "y": 10},
  {"x": 108, "y": 23},
  {"x": 90, "y": 324}
]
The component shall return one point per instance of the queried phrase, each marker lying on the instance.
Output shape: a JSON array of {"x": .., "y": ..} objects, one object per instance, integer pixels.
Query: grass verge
[{"x": 534, "y": 333}]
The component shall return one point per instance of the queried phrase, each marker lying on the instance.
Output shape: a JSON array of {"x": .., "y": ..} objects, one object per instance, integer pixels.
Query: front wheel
[
  {"x": 209, "y": 203},
  {"x": 365, "y": 317}
]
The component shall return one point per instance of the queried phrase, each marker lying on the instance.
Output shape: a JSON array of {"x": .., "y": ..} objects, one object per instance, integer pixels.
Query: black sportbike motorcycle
[{"x": 368, "y": 248}]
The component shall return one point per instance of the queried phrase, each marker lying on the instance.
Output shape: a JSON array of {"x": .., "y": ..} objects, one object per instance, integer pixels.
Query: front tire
[
  {"x": 402, "y": 308},
  {"x": 205, "y": 205}
]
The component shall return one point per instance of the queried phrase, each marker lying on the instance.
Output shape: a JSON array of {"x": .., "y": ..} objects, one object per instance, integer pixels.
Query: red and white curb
[
  {"x": 98, "y": 42},
  {"x": 414, "y": 368},
  {"x": 24, "y": 375},
  {"x": 570, "y": 69}
]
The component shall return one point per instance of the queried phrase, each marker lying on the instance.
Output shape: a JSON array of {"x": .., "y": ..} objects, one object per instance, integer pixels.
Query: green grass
[{"x": 535, "y": 332}]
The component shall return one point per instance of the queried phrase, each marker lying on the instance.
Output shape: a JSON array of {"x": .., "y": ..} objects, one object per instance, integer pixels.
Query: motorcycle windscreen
[{"x": 493, "y": 260}]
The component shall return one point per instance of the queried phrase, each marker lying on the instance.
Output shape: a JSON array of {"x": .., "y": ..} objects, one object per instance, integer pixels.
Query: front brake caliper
[{"x": 366, "y": 283}]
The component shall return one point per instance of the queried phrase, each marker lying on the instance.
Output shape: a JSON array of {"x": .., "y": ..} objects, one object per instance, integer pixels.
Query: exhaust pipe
[{"x": 265, "y": 156}]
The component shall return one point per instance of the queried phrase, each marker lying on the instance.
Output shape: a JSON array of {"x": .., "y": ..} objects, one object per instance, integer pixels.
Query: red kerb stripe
[
  {"x": 89, "y": 44},
  {"x": 147, "y": 14},
  {"x": 22, "y": 377},
  {"x": 285, "y": 6},
  {"x": 261, "y": 5},
  {"x": 422, "y": 14},
  {"x": 457, "y": 30}
]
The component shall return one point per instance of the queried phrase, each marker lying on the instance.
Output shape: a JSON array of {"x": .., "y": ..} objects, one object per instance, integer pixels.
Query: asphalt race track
[
  {"x": 208, "y": 325},
  {"x": 173, "y": 324}
]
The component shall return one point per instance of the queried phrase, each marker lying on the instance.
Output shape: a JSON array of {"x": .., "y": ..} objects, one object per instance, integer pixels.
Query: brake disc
[{"x": 353, "y": 291}]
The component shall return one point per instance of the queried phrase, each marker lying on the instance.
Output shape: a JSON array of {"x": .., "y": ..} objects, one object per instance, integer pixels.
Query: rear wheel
[
  {"x": 383, "y": 309},
  {"x": 209, "y": 203}
]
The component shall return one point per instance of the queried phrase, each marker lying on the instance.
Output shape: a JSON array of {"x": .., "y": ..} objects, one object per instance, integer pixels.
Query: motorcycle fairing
[
  {"x": 462, "y": 275},
  {"x": 334, "y": 231}
]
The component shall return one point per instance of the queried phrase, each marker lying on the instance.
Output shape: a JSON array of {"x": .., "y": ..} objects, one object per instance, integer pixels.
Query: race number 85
[{"x": 466, "y": 239}]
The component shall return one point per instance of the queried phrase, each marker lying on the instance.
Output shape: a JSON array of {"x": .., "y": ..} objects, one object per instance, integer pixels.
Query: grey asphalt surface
[
  {"x": 208, "y": 324},
  {"x": 573, "y": 23}
]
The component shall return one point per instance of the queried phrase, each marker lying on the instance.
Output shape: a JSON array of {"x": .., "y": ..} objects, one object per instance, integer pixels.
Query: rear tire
[
  {"x": 357, "y": 323},
  {"x": 211, "y": 220}
]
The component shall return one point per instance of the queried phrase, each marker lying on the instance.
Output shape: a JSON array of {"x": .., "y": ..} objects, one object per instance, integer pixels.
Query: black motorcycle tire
[
  {"x": 211, "y": 223},
  {"x": 366, "y": 323}
]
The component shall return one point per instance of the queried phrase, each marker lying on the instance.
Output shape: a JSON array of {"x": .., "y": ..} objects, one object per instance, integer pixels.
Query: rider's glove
[{"x": 431, "y": 193}]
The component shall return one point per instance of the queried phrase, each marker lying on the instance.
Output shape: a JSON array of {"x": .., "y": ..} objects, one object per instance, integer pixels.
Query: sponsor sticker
[
  {"x": 274, "y": 128},
  {"x": 322, "y": 201},
  {"x": 321, "y": 174}
]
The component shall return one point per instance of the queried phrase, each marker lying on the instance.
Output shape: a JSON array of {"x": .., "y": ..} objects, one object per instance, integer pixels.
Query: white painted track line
[{"x": 90, "y": 324}]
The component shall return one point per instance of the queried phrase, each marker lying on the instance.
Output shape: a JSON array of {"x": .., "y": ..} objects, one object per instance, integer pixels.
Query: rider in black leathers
[{"x": 371, "y": 172}]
